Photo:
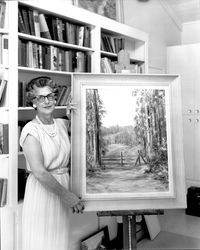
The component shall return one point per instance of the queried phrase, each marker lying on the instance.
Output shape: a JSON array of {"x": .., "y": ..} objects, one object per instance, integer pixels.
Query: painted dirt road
[{"x": 126, "y": 178}]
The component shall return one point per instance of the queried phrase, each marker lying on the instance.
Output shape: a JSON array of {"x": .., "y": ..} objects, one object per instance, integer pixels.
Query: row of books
[
  {"x": 32, "y": 22},
  {"x": 3, "y": 191},
  {"x": 107, "y": 66},
  {"x": 2, "y": 14},
  {"x": 3, "y": 84},
  {"x": 41, "y": 56},
  {"x": 4, "y": 49},
  {"x": 112, "y": 44},
  {"x": 4, "y": 142},
  {"x": 63, "y": 95}
]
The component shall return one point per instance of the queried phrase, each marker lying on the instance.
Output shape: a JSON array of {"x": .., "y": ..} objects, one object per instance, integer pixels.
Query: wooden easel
[{"x": 129, "y": 224}]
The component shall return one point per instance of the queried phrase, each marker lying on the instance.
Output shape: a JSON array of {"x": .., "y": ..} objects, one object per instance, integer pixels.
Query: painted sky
[{"x": 119, "y": 105}]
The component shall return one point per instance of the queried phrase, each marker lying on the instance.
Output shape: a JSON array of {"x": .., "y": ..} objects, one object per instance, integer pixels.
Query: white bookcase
[{"x": 136, "y": 43}]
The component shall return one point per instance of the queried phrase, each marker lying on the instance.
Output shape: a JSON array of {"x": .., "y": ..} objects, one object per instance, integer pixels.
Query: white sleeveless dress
[{"x": 45, "y": 220}]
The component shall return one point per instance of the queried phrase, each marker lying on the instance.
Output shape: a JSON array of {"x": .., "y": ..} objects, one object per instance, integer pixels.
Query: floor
[
  {"x": 178, "y": 232},
  {"x": 169, "y": 241}
]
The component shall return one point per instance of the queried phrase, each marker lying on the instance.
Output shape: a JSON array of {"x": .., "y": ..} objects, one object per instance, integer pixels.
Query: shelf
[
  {"x": 29, "y": 70},
  {"x": 3, "y": 156},
  {"x": 3, "y": 66},
  {"x": 109, "y": 54},
  {"x": 4, "y": 109},
  {"x": 4, "y": 31},
  {"x": 53, "y": 42},
  {"x": 32, "y": 109}
]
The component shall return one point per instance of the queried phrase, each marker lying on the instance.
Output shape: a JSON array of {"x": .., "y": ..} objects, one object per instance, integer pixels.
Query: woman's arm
[{"x": 34, "y": 156}]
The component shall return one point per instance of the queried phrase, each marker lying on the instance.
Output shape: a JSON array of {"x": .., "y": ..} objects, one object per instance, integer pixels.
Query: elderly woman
[{"x": 46, "y": 148}]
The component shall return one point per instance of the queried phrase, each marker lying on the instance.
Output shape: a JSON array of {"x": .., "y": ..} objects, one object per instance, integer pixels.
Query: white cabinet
[{"x": 185, "y": 60}]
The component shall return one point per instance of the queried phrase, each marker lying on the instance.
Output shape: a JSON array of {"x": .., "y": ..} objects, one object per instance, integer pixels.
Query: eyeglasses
[{"x": 42, "y": 98}]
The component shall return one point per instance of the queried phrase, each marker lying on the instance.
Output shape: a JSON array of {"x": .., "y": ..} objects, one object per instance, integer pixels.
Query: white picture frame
[{"x": 90, "y": 186}]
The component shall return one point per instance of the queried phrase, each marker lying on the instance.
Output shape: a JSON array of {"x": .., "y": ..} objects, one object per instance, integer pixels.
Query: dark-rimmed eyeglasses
[{"x": 42, "y": 98}]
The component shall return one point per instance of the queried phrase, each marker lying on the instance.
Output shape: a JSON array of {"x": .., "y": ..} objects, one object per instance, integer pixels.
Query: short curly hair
[{"x": 41, "y": 81}]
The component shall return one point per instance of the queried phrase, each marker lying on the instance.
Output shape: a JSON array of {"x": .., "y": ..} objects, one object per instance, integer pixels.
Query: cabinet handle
[
  {"x": 189, "y": 111},
  {"x": 197, "y": 120},
  {"x": 190, "y": 120},
  {"x": 197, "y": 111}
]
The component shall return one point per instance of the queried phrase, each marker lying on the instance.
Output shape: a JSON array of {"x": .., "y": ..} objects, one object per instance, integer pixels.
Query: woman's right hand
[{"x": 75, "y": 203}]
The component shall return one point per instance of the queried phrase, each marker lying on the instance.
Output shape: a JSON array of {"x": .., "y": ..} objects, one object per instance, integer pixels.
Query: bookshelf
[{"x": 134, "y": 41}]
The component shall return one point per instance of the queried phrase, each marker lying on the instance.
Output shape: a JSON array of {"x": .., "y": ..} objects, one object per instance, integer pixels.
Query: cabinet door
[
  {"x": 197, "y": 148},
  {"x": 196, "y": 74},
  {"x": 188, "y": 145},
  {"x": 180, "y": 61}
]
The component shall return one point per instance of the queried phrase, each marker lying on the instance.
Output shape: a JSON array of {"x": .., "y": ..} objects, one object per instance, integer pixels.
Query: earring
[
  {"x": 34, "y": 106},
  {"x": 55, "y": 101}
]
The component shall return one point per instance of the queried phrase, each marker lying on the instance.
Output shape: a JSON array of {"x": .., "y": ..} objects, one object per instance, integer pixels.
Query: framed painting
[
  {"x": 109, "y": 8},
  {"x": 96, "y": 241},
  {"x": 127, "y": 150}
]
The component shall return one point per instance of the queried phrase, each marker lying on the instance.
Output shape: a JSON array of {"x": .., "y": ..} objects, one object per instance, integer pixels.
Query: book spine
[
  {"x": 3, "y": 84},
  {"x": 31, "y": 22},
  {"x": 21, "y": 26},
  {"x": 26, "y": 22},
  {"x": 2, "y": 14},
  {"x": 4, "y": 193},
  {"x": 4, "y": 145},
  {"x": 44, "y": 30},
  {"x": 36, "y": 22},
  {"x": 5, "y": 50}
]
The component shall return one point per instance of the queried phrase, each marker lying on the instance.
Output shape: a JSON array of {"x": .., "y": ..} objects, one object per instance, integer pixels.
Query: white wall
[
  {"x": 153, "y": 18},
  {"x": 191, "y": 32}
]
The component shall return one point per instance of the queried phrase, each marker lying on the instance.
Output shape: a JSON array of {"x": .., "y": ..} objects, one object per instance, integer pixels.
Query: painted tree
[
  {"x": 150, "y": 120},
  {"x": 94, "y": 142}
]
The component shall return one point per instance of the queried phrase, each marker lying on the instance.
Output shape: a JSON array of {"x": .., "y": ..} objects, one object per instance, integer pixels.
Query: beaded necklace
[{"x": 50, "y": 129}]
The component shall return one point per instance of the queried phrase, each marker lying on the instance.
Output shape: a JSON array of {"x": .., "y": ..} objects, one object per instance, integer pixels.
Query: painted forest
[{"x": 138, "y": 152}]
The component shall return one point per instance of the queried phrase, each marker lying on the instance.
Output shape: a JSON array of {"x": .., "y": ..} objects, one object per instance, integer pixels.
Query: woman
[{"x": 46, "y": 148}]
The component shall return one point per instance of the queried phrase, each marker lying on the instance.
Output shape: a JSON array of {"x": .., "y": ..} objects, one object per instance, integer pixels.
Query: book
[
  {"x": 44, "y": 30},
  {"x": 31, "y": 22},
  {"x": 24, "y": 12},
  {"x": 66, "y": 97},
  {"x": 4, "y": 147},
  {"x": 2, "y": 14},
  {"x": 59, "y": 29},
  {"x": 3, "y": 194},
  {"x": 68, "y": 61},
  {"x": 61, "y": 95},
  {"x": 3, "y": 84},
  {"x": 5, "y": 50},
  {"x": 53, "y": 58},
  {"x": 86, "y": 38},
  {"x": 70, "y": 33},
  {"x": 22, "y": 100},
  {"x": 80, "y": 35},
  {"x": 21, "y": 25},
  {"x": 61, "y": 59},
  {"x": 36, "y": 22}
]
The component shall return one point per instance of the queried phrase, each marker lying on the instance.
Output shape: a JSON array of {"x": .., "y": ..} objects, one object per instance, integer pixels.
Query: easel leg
[
  {"x": 125, "y": 232},
  {"x": 133, "y": 232},
  {"x": 129, "y": 232}
]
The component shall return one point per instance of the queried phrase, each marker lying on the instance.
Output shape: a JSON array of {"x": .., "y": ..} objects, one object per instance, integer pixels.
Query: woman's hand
[
  {"x": 72, "y": 201},
  {"x": 70, "y": 106}
]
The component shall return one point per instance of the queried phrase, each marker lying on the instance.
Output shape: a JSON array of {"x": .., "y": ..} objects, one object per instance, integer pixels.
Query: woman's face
[{"x": 44, "y": 100}]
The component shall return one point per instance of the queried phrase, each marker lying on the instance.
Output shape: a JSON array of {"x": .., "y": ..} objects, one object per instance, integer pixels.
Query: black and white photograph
[{"x": 99, "y": 124}]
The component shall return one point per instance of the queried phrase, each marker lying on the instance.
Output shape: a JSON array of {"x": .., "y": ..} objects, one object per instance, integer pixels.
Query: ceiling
[{"x": 185, "y": 10}]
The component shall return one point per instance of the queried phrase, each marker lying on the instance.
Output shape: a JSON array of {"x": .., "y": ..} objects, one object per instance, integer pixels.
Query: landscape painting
[
  {"x": 109, "y": 8},
  {"x": 127, "y": 151}
]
